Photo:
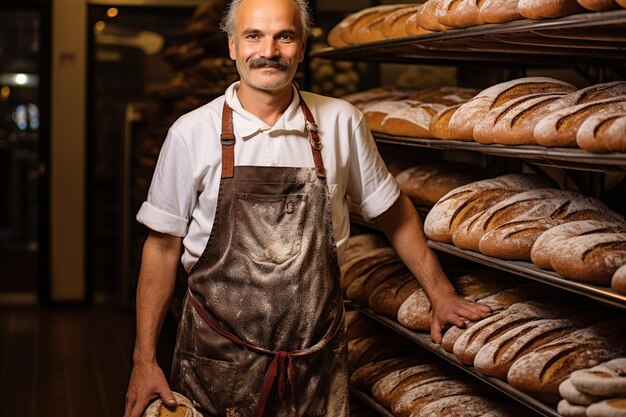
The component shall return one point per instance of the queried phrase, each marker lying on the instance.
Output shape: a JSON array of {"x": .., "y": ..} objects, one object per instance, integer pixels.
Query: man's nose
[{"x": 269, "y": 48}]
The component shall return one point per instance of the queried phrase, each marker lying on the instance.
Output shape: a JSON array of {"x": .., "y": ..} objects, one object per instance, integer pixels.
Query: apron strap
[{"x": 227, "y": 139}]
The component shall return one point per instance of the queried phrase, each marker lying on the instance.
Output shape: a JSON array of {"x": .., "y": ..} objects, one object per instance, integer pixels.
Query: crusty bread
[
  {"x": 618, "y": 281},
  {"x": 362, "y": 351},
  {"x": 548, "y": 9},
  {"x": 364, "y": 262},
  {"x": 463, "y": 202},
  {"x": 445, "y": 95},
  {"x": 560, "y": 128},
  {"x": 590, "y": 258},
  {"x": 184, "y": 408},
  {"x": 388, "y": 389},
  {"x": 457, "y": 13},
  {"x": 374, "y": 113},
  {"x": 540, "y": 372},
  {"x": 367, "y": 375},
  {"x": 567, "y": 409},
  {"x": 498, "y": 11},
  {"x": 394, "y": 25},
  {"x": 420, "y": 395},
  {"x": 359, "y": 243},
  {"x": 496, "y": 357},
  {"x": 412, "y": 26},
  {"x": 427, "y": 17},
  {"x": 622, "y": 3},
  {"x": 612, "y": 407},
  {"x": 439, "y": 123},
  {"x": 343, "y": 34},
  {"x": 463, "y": 120},
  {"x": 573, "y": 396},
  {"x": 513, "y": 122},
  {"x": 605, "y": 380},
  {"x": 603, "y": 133},
  {"x": 369, "y": 28},
  {"x": 459, "y": 405},
  {"x": 598, "y": 5},
  {"x": 411, "y": 121},
  {"x": 544, "y": 246},
  {"x": 425, "y": 184},
  {"x": 387, "y": 298},
  {"x": 361, "y": 288}
]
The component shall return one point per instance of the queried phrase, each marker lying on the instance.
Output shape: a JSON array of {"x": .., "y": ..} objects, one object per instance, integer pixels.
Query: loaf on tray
[
  {"x": 548, "y": 9},
  {"x": 605, "y": 132}
]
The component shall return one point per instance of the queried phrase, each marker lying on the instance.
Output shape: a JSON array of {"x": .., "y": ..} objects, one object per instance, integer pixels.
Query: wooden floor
[{"x": 68, "y": 362}]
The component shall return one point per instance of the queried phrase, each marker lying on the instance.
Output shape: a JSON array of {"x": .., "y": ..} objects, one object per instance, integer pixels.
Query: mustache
[{"x": 276, "y": 63}]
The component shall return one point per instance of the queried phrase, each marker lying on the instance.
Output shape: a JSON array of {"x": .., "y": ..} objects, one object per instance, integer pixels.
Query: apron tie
[{"x": 281, "y": 366}]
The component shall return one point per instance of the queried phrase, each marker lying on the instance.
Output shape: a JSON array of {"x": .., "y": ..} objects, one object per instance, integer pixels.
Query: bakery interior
[{"x": 88, "y": 89}]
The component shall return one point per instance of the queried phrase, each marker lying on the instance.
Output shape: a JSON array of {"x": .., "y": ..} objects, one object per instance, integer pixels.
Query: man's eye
[
  {"x": 252, "y": 36},
  {"x": 286, "y": 37}
]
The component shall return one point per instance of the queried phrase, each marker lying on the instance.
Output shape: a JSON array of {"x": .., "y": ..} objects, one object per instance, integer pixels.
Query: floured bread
[
  {"x": 184, "y": 408},
  {"x": 605, "y": 380},
  {"x": 573, "y": 396},
  {"x": 566, "y": 409},
  {"x": 615, "y": 407}
]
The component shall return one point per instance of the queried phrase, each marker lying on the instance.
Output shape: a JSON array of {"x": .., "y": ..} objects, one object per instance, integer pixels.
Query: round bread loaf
[
  {"x": 544, "y": 246},
  {"x": 605, "y": 380},
  {"x": 618, "y": 282},
  {"x": 457, "y": 13},
  {"x": 615, "y": 407},
  {"x": 184, "y": 408},
  {"x": 567, "y": 409},
  {"x": 573, "y": 396}
]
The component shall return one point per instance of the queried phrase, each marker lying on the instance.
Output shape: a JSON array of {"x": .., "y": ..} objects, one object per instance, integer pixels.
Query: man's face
[{"x": 267, "y": 45}]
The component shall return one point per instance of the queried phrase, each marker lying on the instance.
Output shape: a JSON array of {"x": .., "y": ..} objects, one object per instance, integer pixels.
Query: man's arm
[
  {"x": 403, "y": 227},
  {"x": 160, "y": 257}
]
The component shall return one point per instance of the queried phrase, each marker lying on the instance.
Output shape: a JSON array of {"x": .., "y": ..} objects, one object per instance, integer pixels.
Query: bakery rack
[
  {"x": 569, "y": 158},
  {"x": 424, "y": 341},
  {"x": 597, "y": 36},
  {"x": 363, "y": 396}
]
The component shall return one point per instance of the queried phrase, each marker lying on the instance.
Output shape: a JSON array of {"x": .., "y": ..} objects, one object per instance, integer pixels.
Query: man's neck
[{"x": 268, "y": 106}]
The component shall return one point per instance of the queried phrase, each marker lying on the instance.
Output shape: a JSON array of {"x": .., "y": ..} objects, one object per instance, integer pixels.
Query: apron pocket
[
  {"x": 269, "y": 227},
  {"x": 209, "y": 382}
]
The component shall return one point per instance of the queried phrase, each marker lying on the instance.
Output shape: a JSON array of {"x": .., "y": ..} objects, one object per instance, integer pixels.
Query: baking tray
[
  {"x": 423, "y": 340},
  {"x": 528, "y": 270},
  {"x": 363, "y": 396},
  {"x": 569, "y": 158},
  {"x": 597, "y": 36}
]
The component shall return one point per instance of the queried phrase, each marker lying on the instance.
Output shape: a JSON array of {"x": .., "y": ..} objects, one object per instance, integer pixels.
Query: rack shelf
[
  {"x": 529, "y": 270},
  {"x": 423, "y": 340},
  {"x": 371, "y": 402},
  {"x": 597, "y": 36},
  {"x": 569, "y": 158}
]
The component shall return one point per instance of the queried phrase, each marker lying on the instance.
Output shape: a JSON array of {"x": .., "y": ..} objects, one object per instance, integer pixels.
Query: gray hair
[{"x": 227, "y": 23}]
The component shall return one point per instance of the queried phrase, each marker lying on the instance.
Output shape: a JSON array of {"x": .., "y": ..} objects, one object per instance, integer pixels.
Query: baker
[{"x": 252, "y": 187}]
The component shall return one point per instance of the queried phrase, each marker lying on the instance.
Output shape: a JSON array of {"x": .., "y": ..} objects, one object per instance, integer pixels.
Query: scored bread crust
[
  {"x": 361, "y": 288},
  {"x": 411, "y": 121},
  {"x": 544, "y": 246},
  {"x": 498, "y": 11},
  {"x": 603, "y": 133},
  {"x": 387, "y": 298},
  {"x": 459, "y": 405},
  {"x": 439, "y": 123},
  {"x": 367, "y": 375},
  {"x": 420, "y": 395},
  {"x": 369, "y": 28},
  {"x": 457, "y": 13},
  {"x": 427, "y": 17},
  {"x": 392, "y": 386},
  {"x": 548, "y": 9},
  {"x": 374, "y": 113},
  {"x": 394, "y": 23},
  {"x": 463, "y": 120}
]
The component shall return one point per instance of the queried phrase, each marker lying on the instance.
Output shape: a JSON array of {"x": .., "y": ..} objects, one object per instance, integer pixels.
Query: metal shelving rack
[{"x": 424, "y": 341}]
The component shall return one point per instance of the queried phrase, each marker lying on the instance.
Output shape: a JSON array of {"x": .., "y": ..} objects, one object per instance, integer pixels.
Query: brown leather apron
[{"x": 262, "y": 330}]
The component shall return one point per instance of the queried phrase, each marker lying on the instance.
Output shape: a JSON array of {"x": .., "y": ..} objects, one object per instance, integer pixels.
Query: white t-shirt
[{"x": 183, "y": 195}]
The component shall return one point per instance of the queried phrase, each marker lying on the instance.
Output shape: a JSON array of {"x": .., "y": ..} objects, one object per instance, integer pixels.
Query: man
[{"x": 254, "y": 189}]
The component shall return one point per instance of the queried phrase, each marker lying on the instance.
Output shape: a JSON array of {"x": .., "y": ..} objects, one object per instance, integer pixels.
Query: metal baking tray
[
  {"x": 363, "y": 396},
  {"x": 423, "y": 340},
  {"x": 528, "y": 270},
  {"x": 597, "y": 36},
  {"x": 569, "y": 158}
]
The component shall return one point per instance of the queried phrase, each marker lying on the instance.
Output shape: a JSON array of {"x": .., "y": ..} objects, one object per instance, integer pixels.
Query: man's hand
[
  {"x": 452, "y": 309},
  {"x": 147, "y": 382}
]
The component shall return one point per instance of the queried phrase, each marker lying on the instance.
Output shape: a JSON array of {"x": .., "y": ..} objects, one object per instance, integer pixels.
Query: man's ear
[{"x": 231, "y": 48}]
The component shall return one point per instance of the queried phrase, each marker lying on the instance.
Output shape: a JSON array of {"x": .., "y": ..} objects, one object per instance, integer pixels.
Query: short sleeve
[
  {"x": 172, "y": 194},
  {"x": 370, "y": 184}
]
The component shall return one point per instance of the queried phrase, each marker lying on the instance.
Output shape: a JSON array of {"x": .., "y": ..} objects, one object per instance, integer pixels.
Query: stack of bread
[
  {"x": 412, "y": 385},
  {"x": 400, "y": 20},
  {"x": 504, "y": 217},
  {"x": 595, "y": 392}
]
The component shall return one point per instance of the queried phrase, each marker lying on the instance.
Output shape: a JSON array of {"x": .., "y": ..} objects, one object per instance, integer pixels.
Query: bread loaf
[
  {"x": 364, "y": 262},
  {"x": 390, "y": 388},
  {"x": 498, "y": 11},
  {"x": 604, "y": 380},
  {"x": 427, "y": 183},
  {"x": 598, "y": 5},
  {"x": 358, "y": 244},
  {"x": 592, "y": 259},
  {"x": 374, "y": 113},
  {"x": 387, "y": 298},
  {"x": 618, "y": 281},
  {"x": 411, "y": 121},
  {"x": 614, "y": 407},
  {"x": 561, "y": 127},
  {"x": 573, "y": 396},
  {"x": 362, "y": 351},
  {"x": 394, "y": 25},
  {"x": 496, "y": 357},
  {"x": 543, "y": 248},
  {"x": 459, "y": 405},
  {"x": 184, "y": 408},
  {"x": 427, "y": 17},
  {"x": 605, "y": 132},
  {"x": 566, "y": 409},
  {"x": 343, "y": 34},
  {"x": 622, "y": 3},
  {"x": 464, "y": 202},
  {"x": 513, "y": 122},
  {"x": 369, "y": 28},
  {"x": 361, "y": 288},
  {"x": 420, "y": 395},
  {"x": 548, "y": 9},
  {"x": 445, "y": 95},
  {"x": 367, "y": 375},
  {"x": 439, "y": 123},
  {"x": 457, "y": 13},
  {"x": 359, "y": 325},
  {"x": 412, "y": 26},
  {"x": 463, "y": 120}
]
